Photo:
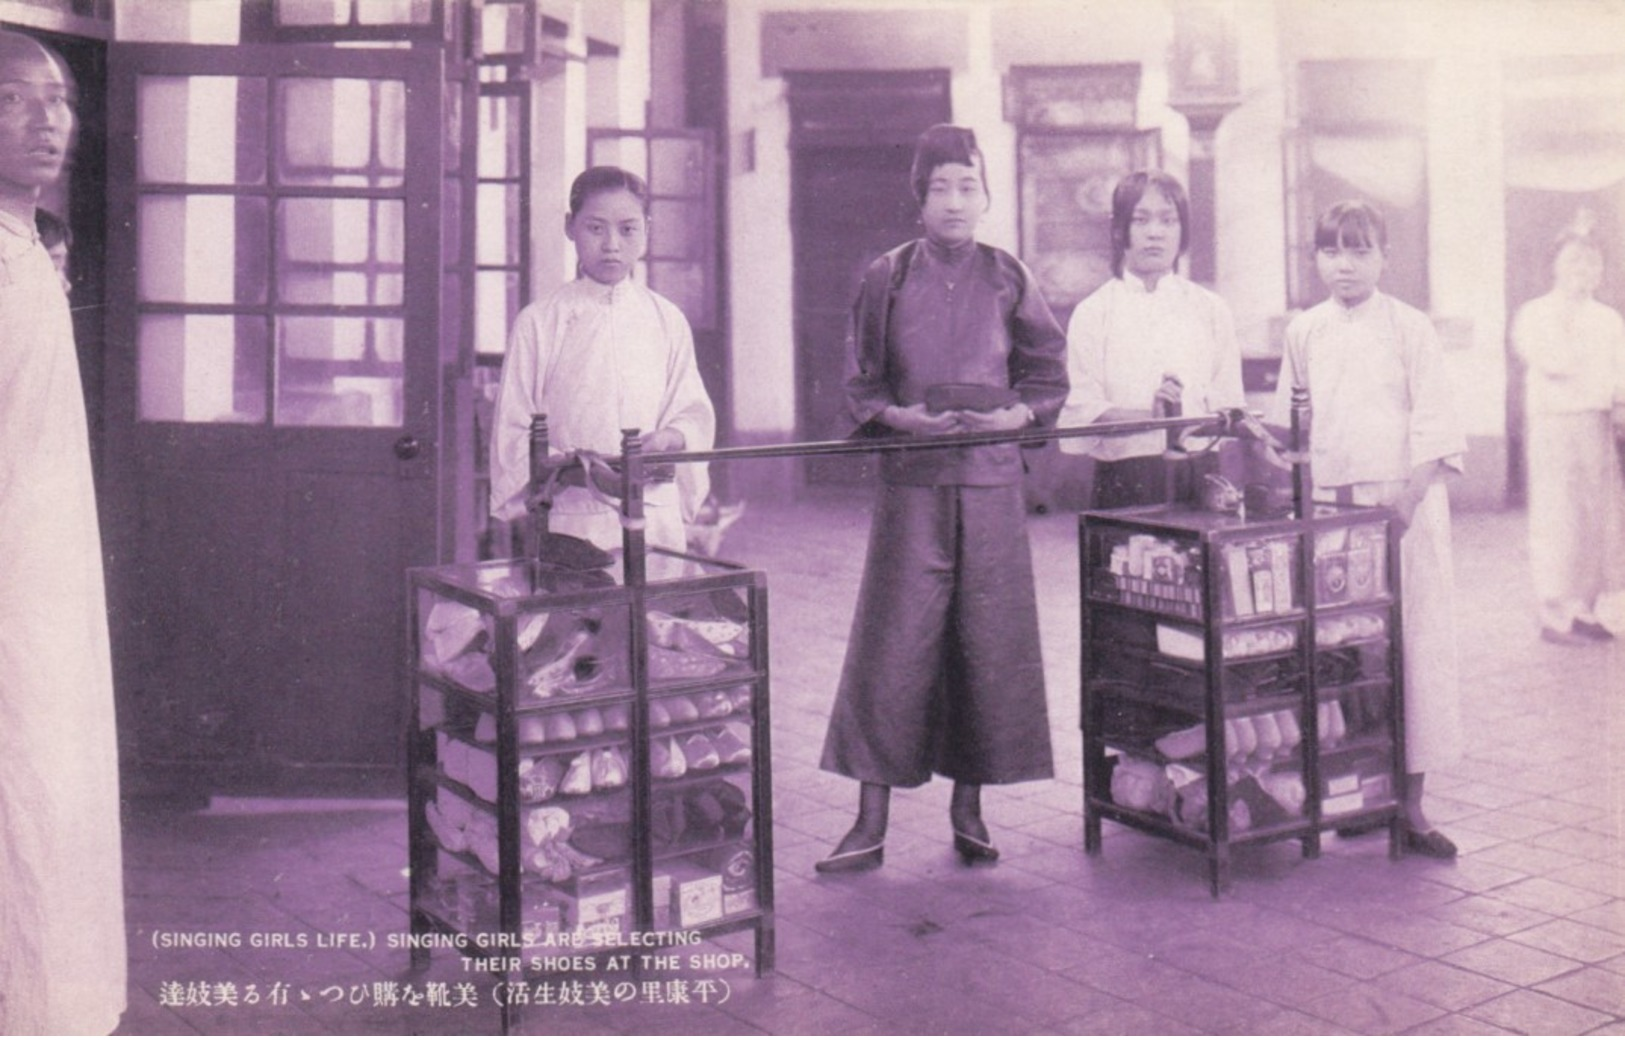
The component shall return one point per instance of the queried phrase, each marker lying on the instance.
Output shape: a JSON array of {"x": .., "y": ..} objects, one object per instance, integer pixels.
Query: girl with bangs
[
  {"x": 1386, "y": 433},
  {"x": 1149, "y": 342}
]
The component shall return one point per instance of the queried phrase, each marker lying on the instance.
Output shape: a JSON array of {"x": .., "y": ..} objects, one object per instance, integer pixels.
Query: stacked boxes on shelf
[{"x": 1252, "y": 666}]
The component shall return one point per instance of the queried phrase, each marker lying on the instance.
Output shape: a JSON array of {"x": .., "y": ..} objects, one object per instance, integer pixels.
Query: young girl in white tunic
[
  {"x": 1385, "y": 432},
  {"x": 1573, "y": 349},
  {"x": 1146, "y": 341},
  {"x": 601, "y": 354}
]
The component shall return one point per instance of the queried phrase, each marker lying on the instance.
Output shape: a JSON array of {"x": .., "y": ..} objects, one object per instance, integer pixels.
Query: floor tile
[
  {"x": 1124, "y": 1018},
  {"x": 1592, "y": 987},
  {"x": 1513, "y": 962},
  {"x": 1526, "y": 1011},
  {"x": 1457, "y": 1025},
  {"x": 1445, "y": 985},
  {"x": 1417, "y": 933},
  {"x": 1551, "y": 897},
  {"x": 1284, "y": 978},
  {"x": 1489, "y": 915},
  {"x": 1286, "y": 1022},
  {"x": 1574, "y": 939},
  {"x": 1358, "y": 957},
  {"x": 1363, "y": 1007}
]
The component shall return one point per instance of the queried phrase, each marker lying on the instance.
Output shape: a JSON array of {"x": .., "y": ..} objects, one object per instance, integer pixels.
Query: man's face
[{"x": 36, "y": 120}]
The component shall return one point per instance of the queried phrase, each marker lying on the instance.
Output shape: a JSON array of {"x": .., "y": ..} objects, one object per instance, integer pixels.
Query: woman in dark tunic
[{"x": 943, "y": 671}]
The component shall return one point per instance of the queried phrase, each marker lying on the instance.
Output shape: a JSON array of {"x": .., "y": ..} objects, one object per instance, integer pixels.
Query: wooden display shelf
[{"x": 1124, "y": 685}]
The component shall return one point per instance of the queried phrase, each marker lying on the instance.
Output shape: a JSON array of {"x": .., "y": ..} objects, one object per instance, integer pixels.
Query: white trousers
[{"x": 1576, "y": 549}]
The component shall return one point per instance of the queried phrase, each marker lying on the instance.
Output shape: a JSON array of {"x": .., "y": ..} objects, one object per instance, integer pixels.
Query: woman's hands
[
  {"x": 1001, "y": 420},
  {"x": 917, "y": 420}
]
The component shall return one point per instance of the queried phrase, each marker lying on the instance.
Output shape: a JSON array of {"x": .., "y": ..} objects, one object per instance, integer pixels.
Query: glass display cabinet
[
  {"x": 1253, "y": 667},
  {"x": 588, "y": 759}
]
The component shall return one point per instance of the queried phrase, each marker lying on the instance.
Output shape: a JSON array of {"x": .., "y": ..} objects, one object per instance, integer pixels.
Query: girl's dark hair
[
  {"x": 598, "y": 179},
  {"x": 1128, "y": 193},
  {"x": 940, "y": 145},
  {"x": 1352, "y": 222}
]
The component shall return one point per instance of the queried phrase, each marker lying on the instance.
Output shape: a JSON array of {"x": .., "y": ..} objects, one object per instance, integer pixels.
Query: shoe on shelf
[
  {"x": 1592, "y": 630},
  {"x": 852, "y": 860},
  {"x": 1429, "y": 843}
]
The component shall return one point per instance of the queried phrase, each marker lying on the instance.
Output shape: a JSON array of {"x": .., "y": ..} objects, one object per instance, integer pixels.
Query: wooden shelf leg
[
  {"x": 1219, "y": 871},
  {"x": 1091, "y": 832},
  {"x": 764, "y": 949}
]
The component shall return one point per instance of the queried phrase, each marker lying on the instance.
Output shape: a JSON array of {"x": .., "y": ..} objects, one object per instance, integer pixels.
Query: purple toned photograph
[{"x": 812, "y": 517}]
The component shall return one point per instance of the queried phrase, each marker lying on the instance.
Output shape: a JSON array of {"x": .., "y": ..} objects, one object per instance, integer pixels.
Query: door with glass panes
[{"x": 273, "y": 424}]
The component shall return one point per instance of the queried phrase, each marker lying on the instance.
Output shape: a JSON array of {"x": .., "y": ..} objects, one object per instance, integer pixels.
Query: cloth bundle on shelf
[{"x": 693, "y": 814}]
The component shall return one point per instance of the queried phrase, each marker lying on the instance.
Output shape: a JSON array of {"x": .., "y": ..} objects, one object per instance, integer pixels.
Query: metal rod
[
  {"x": 632, "y": 516},
  {"x": 538, "y": 476},
  {"x": 910, "y": 442},
  {"x": 1303, "y": 486}
]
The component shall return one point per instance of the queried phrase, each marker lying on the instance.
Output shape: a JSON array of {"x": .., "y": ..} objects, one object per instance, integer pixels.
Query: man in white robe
[{"x": 62, "y": 938}]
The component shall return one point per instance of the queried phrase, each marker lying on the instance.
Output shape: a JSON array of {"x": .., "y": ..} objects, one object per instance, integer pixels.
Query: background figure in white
[
  {"x": 1573, "y": 350},
  {"x": 600, "y": 354},
  {"x": 62, "y": 941}
]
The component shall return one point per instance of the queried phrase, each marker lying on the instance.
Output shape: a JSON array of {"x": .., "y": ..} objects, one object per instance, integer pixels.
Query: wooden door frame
[{"x": 136, "y": 447}]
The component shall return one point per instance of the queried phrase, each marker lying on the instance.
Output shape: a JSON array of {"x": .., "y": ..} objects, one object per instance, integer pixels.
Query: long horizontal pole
[{"x": 866, "y": 445}]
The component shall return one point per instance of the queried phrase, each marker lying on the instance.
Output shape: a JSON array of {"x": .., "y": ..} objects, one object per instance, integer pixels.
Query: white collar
[
  {"x": 1137, "y": 285},
  {"x": 1359, "y": 310}
]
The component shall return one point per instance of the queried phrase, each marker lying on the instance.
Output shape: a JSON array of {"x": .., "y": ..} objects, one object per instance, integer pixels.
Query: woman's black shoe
[
  {"x": 973, "y": 850},
  {"x": 1591, "y": 630},
  {"x": 1429, "y": 843},
  {"x": 853, "y": 860}
]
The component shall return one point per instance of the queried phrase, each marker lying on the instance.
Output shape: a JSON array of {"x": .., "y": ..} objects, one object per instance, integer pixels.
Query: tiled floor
[{"x": 1524, "y": 934}]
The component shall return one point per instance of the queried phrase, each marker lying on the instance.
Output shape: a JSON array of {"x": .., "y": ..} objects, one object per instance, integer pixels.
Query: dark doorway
[{"x": 852, "y": 140}]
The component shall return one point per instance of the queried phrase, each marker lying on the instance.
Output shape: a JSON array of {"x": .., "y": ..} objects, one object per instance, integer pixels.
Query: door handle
[{"x": 408, "y": 448}]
